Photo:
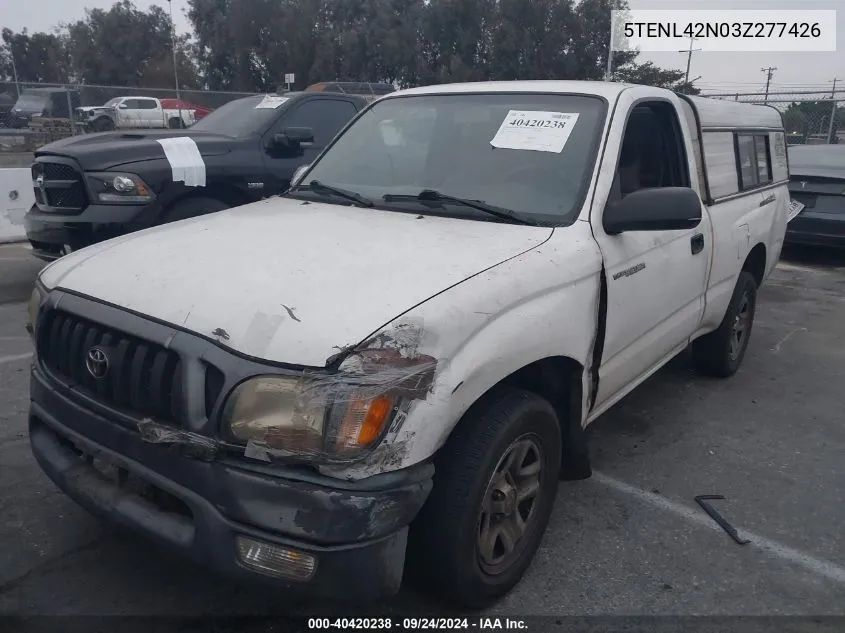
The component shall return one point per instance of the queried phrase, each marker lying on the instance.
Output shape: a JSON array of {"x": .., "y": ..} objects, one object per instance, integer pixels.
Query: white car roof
[
  {"x": 713, "y": 113},
  {"x": 604, "y": 89}
]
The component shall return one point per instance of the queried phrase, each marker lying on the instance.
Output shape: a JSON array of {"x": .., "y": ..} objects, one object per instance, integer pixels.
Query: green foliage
[
  {"x": 650, "y": 75},
  {"x": 39, "y": 57},
  {"x": 249, "y": 45},
  {"x": 809, "y": 118}
]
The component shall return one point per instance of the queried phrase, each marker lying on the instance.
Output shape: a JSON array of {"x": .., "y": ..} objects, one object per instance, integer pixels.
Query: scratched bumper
[{"x": 356, "y": 530}]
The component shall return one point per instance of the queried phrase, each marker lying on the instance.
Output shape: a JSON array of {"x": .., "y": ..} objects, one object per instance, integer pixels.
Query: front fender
[{"x": 541, "y": 304}]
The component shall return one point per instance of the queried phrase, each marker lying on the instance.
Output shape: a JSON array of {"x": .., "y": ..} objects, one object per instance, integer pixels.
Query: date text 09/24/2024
[{"x": 417, "y": 624}]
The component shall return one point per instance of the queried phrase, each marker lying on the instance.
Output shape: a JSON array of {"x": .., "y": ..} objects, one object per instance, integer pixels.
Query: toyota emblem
[{"x": 97, "y": 362}]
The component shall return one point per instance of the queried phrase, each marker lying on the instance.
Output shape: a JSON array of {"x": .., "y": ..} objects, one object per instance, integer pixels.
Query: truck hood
[
  {"x": 286, "y": 280},
  {"x": 92, "y": 108},
  {"x": 97, "y": 152}
]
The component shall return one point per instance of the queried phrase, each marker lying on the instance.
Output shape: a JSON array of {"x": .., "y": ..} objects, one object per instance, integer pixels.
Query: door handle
[
  {"x": 697, "y": 243},
  {"x": 769, "y": 200}
]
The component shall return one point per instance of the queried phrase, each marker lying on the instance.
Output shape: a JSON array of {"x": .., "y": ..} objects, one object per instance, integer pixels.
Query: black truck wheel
[
  {"x": 175, "y": 123},
  {"x": 720, "y": 352},
  {"x": 103, "y": 124},
  {"x": 495, "y": 483},
  {"x": 194, "y": 207}
]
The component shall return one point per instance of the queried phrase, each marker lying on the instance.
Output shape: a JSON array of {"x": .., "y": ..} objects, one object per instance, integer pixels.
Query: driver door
[{"x": 655, "y": 279}]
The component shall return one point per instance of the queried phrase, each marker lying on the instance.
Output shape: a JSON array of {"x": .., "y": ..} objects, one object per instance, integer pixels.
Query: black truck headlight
[{"x": 120, "y": 188}]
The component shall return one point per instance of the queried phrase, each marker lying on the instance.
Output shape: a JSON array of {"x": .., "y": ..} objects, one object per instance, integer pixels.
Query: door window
[
  {"x": 652, "y": 154},
  {"x": 324, "y": 116}
]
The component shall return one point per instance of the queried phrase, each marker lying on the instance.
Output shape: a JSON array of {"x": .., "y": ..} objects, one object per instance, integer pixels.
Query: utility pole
[
  {"x": 832, "y": 113},
  {"x": 175, "y": 71},
  {"x": 689, "y": 53},
  {"x": 768, "y": 71}
]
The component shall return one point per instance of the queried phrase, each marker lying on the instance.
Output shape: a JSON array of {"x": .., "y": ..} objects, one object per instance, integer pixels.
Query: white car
[
  {"x": 399, "y": 356},
  {"x": 133, "y": 112}
]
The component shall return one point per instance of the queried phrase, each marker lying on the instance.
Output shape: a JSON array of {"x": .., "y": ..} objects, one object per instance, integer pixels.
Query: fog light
[{"x": 275, "y": 560}]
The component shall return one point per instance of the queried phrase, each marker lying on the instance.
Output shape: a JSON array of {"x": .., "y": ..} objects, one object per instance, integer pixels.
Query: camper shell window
[{"x": 753, "y": 160}]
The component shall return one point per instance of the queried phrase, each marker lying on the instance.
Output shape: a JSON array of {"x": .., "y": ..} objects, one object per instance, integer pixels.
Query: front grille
[
  {"x": 62, "y": 186},
  {"x": 140, "y": 378}
]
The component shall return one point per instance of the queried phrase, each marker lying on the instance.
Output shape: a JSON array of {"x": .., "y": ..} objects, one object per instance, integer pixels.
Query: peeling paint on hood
[{"x": 288, "y": 282}]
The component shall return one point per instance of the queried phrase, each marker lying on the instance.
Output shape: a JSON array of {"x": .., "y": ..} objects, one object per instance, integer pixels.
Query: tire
[
  {"x": 445, "y": 550},
  {"x": 194, "y": 207},
  {"x": 103, "y": 124},
  {"x": 720, "y": 352},
  {"x": 175, "y": 124}
]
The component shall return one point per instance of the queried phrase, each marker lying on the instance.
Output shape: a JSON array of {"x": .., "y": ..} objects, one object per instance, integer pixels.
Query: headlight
[
  {"x": 311, "y": 416},
  {"x": 117, "y": 187},
  {"x": 32, "y": 309}
]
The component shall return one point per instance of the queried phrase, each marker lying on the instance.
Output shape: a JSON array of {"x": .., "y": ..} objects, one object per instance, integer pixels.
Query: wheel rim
[
  {"x": 741, "y": 325},
  {"x": 509, "y": 505}
]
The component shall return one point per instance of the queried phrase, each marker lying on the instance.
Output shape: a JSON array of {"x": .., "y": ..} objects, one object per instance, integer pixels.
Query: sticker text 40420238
[{"x": 538, "y": 123}]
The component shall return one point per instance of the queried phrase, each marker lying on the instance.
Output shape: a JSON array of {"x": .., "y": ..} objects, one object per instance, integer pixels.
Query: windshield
[
  {"x": 527, "y": 153},
  {"x": 31, "y": 102},
  {"x": 241, "y": 118}
]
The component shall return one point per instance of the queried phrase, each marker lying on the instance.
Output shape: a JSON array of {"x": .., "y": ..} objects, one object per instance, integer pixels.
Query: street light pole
[
  {"x": 15, "y": 71},
  {"x": 175, "y": 70},
  {"x": 832, "y": 113}
]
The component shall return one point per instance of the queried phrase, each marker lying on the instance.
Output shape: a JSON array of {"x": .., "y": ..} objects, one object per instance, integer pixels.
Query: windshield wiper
[
  {"x": 319, "y": 187},
  {"x": 430, "y": 195}
]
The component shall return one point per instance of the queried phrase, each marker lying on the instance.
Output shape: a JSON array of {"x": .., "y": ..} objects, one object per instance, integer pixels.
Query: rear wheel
[
  {"x": 495, "y": 483},
  {"x": 720, "y": 353},
  {"x": 175, "y": 123},
  {"x": 194, "y": 207}
]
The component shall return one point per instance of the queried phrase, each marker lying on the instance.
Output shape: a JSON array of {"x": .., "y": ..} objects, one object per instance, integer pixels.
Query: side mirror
[
  {"x": 298, "y": 174},
  {"x": 297, "y": 135},
  {"x": 123, "y": 106},
  {"x": 662, "y": 209}
]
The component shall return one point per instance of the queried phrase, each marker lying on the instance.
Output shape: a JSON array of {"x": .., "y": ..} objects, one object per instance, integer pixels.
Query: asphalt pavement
[{"x": 631, "y": 541}]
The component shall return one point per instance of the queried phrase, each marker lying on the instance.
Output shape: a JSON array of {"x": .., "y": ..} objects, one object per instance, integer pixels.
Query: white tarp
[{"x": 185, "y": 160}]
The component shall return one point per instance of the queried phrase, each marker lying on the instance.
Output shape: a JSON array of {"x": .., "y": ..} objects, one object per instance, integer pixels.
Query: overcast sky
[{"x": 728, "y": 72}]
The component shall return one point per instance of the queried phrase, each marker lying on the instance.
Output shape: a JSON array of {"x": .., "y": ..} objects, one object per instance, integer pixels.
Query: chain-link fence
[
  {"x": 810, "y": 118},
  {"x": 32, "y": 115}
]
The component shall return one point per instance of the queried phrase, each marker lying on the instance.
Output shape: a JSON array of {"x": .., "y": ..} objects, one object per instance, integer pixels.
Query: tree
[
  {"x": 651, "y": 75},
  {"x": 812, "y": 118},
  {"x": 39, "y": 58},
  {"x": 124, "y": 46}
]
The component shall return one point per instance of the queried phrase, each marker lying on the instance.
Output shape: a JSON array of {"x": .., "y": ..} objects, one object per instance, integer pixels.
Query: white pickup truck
[
  {"x": 133, "y": 112},
  {"x": 400, "y": 355}
]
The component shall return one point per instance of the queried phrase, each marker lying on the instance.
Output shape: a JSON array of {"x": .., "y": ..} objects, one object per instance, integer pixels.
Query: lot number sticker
[
  {"x": 535, "y": 131},
  {"x": 270, "y": 102}
]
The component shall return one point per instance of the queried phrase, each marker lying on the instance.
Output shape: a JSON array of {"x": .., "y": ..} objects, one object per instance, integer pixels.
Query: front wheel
[
  {"x": 720, "y": 352},
  {"x": 495, "y": 483},
  {"x": 103, "y": 124}
]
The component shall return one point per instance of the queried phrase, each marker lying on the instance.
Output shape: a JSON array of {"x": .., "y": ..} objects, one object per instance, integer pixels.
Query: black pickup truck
[{"x": 98, "y": 186}]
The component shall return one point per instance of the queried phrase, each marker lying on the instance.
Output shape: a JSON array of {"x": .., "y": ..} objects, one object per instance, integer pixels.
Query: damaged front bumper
[{"x": 308, "y": 533}]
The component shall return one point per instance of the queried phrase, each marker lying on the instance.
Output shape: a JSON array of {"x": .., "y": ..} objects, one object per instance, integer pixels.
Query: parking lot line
[
  {"x": 16, "y": 357},
  {"x": 809, "y": 562}
]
